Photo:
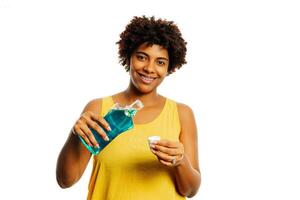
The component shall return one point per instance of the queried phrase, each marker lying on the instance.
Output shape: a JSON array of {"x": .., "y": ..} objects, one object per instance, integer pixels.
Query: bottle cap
[
  {"x": 137, "y": 104},
  {"x": 153, "y": 138}
]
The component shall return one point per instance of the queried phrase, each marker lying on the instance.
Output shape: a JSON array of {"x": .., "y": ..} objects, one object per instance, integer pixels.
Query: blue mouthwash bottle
[{"x": 120, "y": 120}]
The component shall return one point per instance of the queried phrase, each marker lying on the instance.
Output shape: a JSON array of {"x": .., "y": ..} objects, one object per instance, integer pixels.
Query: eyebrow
[{"x": 141, "y": 52}]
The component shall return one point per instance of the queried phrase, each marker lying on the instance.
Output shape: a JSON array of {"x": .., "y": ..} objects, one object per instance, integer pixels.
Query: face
[{"x": 148, "y": 67}]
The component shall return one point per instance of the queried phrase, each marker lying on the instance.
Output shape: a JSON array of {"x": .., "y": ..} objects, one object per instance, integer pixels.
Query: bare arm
[
  {"x": 182, "y": 156},
  {"x": 74, "y": 157},
  {"x": 187, "y": 172}
]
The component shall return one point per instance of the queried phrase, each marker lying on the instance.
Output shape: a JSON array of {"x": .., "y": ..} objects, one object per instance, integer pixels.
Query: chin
[{"x": 144, "y": 90}]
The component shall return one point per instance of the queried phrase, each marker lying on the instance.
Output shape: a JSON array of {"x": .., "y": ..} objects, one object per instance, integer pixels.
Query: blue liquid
[{"x": 119, "y": 121}]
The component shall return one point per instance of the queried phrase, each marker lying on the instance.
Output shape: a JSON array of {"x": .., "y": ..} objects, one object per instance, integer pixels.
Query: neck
[{"x": 148, "y": 99}]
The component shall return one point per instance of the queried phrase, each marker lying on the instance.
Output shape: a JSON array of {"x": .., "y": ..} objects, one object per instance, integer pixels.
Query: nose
[{"x": 149, "y": 67}]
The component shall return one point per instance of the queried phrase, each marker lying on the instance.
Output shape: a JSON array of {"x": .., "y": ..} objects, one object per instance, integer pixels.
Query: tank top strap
[
  {"x": 170, "y": 116},
  {"x": 172, "y": 107},
  {"x": 107, "y": 103}
]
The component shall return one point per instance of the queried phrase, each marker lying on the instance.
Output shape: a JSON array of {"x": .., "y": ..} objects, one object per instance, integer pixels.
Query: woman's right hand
[{"x": 90, "y": 120}]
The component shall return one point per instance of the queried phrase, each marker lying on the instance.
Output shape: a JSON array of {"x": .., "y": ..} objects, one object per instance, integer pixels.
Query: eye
[
  {"x": 161, "y": 63},
  {"x": 141, "y": 57}
]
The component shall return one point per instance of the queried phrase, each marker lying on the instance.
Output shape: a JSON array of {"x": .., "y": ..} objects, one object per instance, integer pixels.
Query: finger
[
  {"x": 96, "y": 127},
  {"x": 101, "y": 120},
  {"x": 169, "y": 164},
  {"x": 73, "y": 131},
  {"x": 167, "y": 143},
  {"x": 88, "y": 133},
  {"x": 170, "y": 146},
  {"x": 163, "y": 156},
  {"x": 80, "y": 133},
  {"x": 173, "y": 163},
  {"x": 167, "y": 150}
]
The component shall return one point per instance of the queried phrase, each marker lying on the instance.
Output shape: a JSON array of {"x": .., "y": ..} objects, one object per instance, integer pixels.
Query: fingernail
[
  {"x": 97, "y": 145},
  {"x": 152, "y": 146},
  {"x": 152, "y": 150},
  {"x": 106, "y": 138},
  {"x": 108, "y": 128}
]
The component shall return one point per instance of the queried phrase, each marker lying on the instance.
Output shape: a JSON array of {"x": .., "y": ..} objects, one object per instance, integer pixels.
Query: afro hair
[{"x": 142, "y": 30}]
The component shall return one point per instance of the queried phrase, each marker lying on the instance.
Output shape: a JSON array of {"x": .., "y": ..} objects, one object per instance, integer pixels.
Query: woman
[{"x": 150, "y": 49}]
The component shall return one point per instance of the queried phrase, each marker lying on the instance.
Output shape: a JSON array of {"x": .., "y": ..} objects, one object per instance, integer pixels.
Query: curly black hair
[{"x": 152, "y": 31}]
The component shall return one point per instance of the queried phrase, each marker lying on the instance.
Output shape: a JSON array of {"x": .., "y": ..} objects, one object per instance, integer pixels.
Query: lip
[{"x": 145, "y": 78}]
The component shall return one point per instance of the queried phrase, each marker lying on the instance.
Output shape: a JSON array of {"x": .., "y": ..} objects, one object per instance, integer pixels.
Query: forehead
[{"x": 153, "y": 50}]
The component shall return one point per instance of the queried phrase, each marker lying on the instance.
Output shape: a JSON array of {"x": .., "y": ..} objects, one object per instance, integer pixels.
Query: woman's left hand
[{"x": 169, "y": 153}]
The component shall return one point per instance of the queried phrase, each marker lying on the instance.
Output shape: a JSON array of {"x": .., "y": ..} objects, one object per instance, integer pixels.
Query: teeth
[{"x": 146, "y": 79}]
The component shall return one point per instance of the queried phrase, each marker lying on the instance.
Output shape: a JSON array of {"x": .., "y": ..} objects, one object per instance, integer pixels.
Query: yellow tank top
[{"x": 126, "y": 169}]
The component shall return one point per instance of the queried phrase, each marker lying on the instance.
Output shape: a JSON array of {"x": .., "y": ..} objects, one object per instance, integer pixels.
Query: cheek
[
  {"x": 136, "y": 65},
  {"x": 163, "y": 72}
]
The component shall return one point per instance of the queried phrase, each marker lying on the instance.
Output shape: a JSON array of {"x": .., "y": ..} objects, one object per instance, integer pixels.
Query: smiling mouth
[{"x": 146, "y": 79}]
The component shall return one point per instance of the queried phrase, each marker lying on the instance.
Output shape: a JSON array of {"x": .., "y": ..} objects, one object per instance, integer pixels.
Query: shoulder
[
  {"x": 93, "y": 105},
  {"x": 184, "y": 111},
  {"x": 186, "y": 115}
]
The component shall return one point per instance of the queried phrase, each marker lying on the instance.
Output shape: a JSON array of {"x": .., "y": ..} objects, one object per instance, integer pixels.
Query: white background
[{"x": 242, "y": 81}]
